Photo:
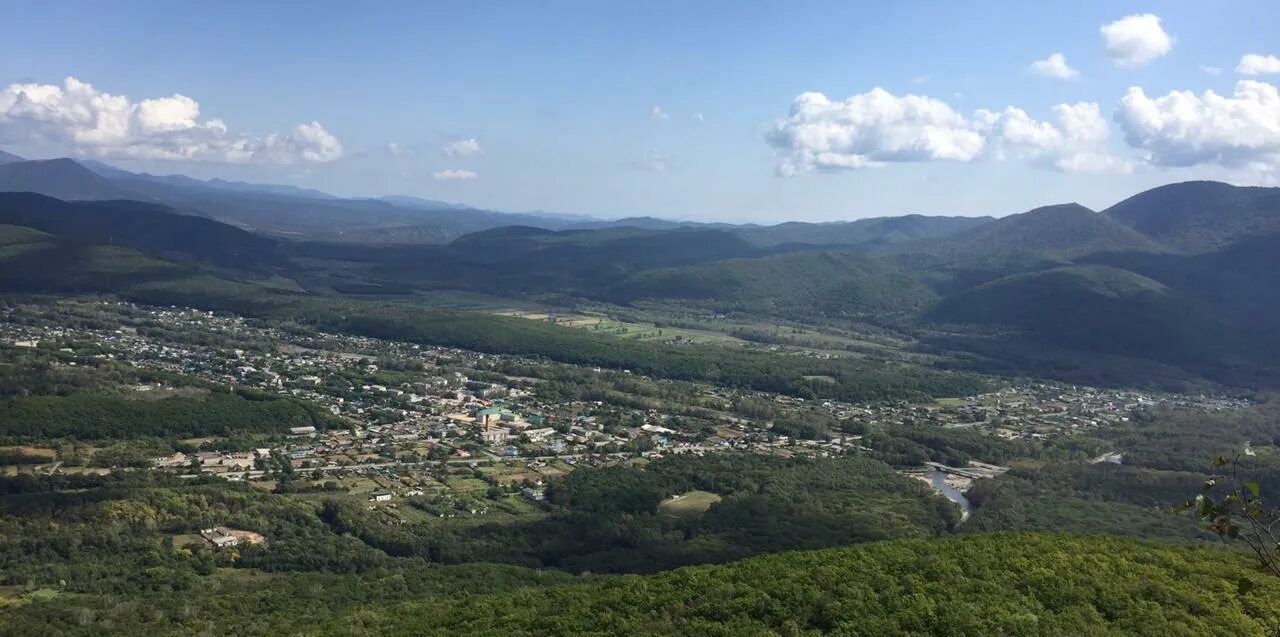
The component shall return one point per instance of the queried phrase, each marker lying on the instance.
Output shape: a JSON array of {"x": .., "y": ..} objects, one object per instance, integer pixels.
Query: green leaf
[{"x": 1252, "y": 487}]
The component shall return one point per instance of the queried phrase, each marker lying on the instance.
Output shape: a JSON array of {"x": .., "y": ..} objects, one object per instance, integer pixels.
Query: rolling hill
[
  {"x": 1093, "y": 308},
  {"x": 1179, "y": 290},
  {"x": 1043, "y": 236},
  {"x": 150, "y": 228},
  {"x": 867, "y": 234},
  {"x": 59, "y": 178},
  {"x": 796, "y": 284},
  {"x": 977, "y": 585},
  {"x": 1200, "y": 216}
]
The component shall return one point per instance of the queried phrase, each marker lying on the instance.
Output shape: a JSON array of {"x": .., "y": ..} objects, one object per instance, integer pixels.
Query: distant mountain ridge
[
  {"x": 1181, "y": 275},
  {"x": 60, "y": 178}
]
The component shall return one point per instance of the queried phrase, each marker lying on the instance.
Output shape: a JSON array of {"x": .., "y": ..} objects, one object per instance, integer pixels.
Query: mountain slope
[
  {"x": 1094, "y": 308},
  {"x": 524, "y": 259},
  {"x": 37, "y": 262},
  {"x": 1062, "y": 231},
  {"x": 112, "y": 172},
  {"x": 797, "y": 284},
  {"x": 59, "y": 178},
  {"x": 977, "y": 585},
  {"x": 148, "y": 227},
  {"x": 1200, "y": 216},
  {"x": 9, "y": 158},
  {"x": 869, "y": 233}
]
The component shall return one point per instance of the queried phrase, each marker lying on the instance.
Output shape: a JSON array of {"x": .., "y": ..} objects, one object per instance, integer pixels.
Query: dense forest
[
  {"x": 608, "y": 520},
  {"x": 97, "y": 416},
  {"x": 978, "y": 585}
]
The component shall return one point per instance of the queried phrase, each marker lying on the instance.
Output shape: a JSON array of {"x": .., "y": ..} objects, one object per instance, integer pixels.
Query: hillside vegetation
[
  {"x": 983, "y": 585},
  {"x": 1177, "y": 279}
]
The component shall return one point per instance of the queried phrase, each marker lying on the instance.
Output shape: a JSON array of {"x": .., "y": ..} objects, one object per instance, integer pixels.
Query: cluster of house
[
  {"x": 435, "y": 410},
  {"x": 225, "y": 537}
]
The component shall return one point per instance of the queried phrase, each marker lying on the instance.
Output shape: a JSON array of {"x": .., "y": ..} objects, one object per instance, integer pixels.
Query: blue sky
[{"x": 672, "y": 109}]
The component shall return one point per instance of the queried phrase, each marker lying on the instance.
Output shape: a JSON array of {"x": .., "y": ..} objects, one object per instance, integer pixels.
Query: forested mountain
[
  {"x": 1180, "y": 275},
  {"x": 150, "y": 228},
  {"x": 1201, "y": 216},
  {"x": 796, "y": 284},
  {"x": 60, "y": 178},
  {"x": 1095, "y": 308},
  {"x": 867, "y": 234},
  {"x": 1040, "y": 237},
  {"x": 993, "y": 585}
]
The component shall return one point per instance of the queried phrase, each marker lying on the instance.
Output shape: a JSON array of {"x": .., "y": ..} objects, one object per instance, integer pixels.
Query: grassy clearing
[
  {"x": 35, "y": 454},
  {"x": 466, "y": 485},
  {"x": 688, "y": 505}
]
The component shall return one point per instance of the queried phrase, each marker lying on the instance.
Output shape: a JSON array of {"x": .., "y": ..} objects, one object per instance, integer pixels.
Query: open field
[
  {"x": 31, "y": 454},
  {"x": 688, "y": 505}
]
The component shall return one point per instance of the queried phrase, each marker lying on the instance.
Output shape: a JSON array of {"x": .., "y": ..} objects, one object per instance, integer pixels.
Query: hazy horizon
[{"x": 714, "y": 112}]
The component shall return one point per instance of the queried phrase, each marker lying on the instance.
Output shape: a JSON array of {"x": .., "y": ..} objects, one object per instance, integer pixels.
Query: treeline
[
  {"x": 1098, "y": 498},
  {"x": 982, "y": 585},
  {"x": 608, "y": 520},
  {"x": 116, "y": 534},
  {"x": 1017, "y": 584},
  {"x": 97, "y": 416},
  {"x": 1167, "y": 455},
  {"x": 839, "y": 378}
]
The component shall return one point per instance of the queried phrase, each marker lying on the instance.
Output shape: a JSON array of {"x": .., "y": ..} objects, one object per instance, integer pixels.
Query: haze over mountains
[
  {"x": 1178, "y": 277},
  {"x": 293, "y": 212}
]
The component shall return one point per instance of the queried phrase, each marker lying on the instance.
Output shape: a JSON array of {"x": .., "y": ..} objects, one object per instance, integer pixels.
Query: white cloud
[
  {"x": 1211, "y": 70},
  {"x": 878, "y": 127},
  {"x": 83, "y": 119},
  {"x": 921, "y": 79},
  {"x": 1254, "y": 64},
  {"x": 658, "y": 114},
  {"x": 454, "y": 175},
  {"x": 1054, "y": 66},
  {"x": 1181, "y": 128},
  {"x": 1136, "y": 40},
  {"x": 1076, "y": 144},
  {"x": 697, "y": 117},
  {"x": 870, "y": 129},
  {"x": 464, "y": 148}
]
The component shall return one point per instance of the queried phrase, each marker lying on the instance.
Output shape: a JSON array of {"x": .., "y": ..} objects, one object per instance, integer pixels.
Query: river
[{"x": 938, "y": 480}]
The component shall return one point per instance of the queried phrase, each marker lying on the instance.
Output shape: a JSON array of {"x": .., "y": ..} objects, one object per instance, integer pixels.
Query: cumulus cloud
[
  {"x": 1077, "y": 143},
  {"x": 1054, "y": 66},
  {"x": 1136, "y": 40},
  {"x": 871, "y": 129},
  {"x": 464, "y": 147},
  {"x": 1254, "y": 64},
  {"x": 878, "y": 127},
  {"x": 657, "y": 114},
  {"x": 454, "y": 175},
  {"x": 90, "y": 121},
  {"x": 1184, "y": 129}
]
